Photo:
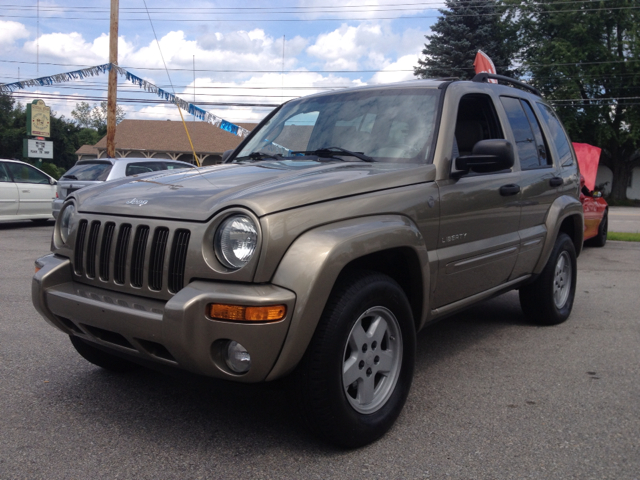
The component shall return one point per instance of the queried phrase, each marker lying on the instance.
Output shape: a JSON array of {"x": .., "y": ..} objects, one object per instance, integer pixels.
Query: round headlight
[
  {"x": 65, "y": 221},
  {"x": 236, "y": 241}
]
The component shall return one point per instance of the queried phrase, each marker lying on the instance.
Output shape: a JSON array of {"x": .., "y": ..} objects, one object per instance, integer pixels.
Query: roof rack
[{"x": 483, "y": 77}]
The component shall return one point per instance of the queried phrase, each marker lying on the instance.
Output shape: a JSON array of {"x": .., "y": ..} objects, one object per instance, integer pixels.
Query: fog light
[{"x": 237, "y": 357}]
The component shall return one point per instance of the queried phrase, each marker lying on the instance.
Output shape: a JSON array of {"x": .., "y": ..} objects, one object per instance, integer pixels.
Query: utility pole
[{"x": 112, "y": 91}]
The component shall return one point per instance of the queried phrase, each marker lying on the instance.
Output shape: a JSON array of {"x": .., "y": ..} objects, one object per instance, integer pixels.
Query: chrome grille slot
[
  {"x": 156, "y": 260},
  {"x": 92, "y": 248},
  {"x": 137, "y": 255},
  {"x": 79, "y": 251},
  {"x": 120, "y": 261},
  {"x": 178, "y": 260},
  {"x": 105, "y": 250}
]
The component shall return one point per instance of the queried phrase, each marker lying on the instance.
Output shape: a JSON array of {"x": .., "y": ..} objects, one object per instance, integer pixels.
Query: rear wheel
[
  {"x": 101, "y": 358},
  {"x": 601, "y": 238},
  {"x": 549, "y": 299},
  {"x": 356, "y": 374}
]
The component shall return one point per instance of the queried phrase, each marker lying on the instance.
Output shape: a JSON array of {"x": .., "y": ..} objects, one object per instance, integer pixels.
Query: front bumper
[{"x": 177, "y": 332}]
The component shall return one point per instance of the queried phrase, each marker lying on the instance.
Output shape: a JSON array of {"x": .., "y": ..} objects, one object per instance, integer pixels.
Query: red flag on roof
[
  {"x": 588, "y": 159},
  {"x": 483, "y": 64}
]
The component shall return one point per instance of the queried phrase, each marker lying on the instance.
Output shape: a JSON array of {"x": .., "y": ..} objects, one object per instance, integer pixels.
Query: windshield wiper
[
  {"x": 72, "y": 177},
  {"x": 257, "y": 156},
  {"x": 331, "y": 152}
]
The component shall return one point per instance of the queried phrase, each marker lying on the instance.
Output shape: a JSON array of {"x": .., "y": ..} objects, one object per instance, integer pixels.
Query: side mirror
[
  {"x": 226, "y": 155},
  {"x": 487, "y": 156},
  {"x": 52, "y": 181}
]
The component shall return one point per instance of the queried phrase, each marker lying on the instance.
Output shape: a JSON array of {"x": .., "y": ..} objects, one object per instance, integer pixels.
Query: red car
[{"x": 595, "y": 207}]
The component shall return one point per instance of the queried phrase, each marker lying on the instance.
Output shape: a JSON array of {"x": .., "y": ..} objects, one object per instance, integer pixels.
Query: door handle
[
  {"x": 510, "y": 189},
  {"x": 556, "y": 181}
]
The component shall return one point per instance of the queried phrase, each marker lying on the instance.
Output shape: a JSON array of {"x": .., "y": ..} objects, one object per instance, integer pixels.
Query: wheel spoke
[
  {"x": 358, "y": 337},
  {"x": 387, "y": 360},
  {"x": 366, "y": 390},
  {"x": 377, "y": 330},
  {"x": 350, "y": 371}
]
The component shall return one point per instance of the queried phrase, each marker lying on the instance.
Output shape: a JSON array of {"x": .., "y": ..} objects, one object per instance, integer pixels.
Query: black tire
[
  {"x": 603, "y": 229},
  {"x": 101, "y": 358},
  {"x": 367, "y": 334},
  {"x": 549, "y": 299}
]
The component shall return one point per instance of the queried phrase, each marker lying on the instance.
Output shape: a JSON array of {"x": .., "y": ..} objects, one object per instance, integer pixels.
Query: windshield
[
  {"x": 386, "y": 125},
  {"x": 89, "y": 171}
]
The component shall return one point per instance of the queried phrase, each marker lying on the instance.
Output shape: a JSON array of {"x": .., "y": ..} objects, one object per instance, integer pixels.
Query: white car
[
  {"x": 98, "y": 170},
  {"x": 25, "y": 192}
]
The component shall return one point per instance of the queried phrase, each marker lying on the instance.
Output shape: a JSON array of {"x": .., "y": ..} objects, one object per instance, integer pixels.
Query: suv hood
[{"x": 263, "y": 187}]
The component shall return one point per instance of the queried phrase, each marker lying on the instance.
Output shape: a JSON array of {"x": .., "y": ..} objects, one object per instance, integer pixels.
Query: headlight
[
  {"x": 65, "y": 221},
  {"x": 236, "y": 241}
]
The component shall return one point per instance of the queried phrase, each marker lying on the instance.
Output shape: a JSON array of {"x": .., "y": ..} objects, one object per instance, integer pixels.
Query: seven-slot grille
[{"x": 119, "y": 253}]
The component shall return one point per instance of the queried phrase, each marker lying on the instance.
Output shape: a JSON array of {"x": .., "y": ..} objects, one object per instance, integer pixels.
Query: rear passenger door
[
  {"x": 479, "y": 213},
  {"x": 8, "y": 192},
  {"x": 538, "y": 181}
]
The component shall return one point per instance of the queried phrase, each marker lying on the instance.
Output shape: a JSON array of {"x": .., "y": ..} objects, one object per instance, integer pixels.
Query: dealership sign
[
  {"x": 38, "y": 149},
  {"x": 38, "y": 119}
]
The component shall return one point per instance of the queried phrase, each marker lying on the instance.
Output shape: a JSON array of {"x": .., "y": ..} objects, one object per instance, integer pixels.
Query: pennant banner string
[{"x": 147, "y": 86}]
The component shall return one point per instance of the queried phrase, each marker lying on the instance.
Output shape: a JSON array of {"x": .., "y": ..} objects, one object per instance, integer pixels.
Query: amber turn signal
[{"x": 239, "y": 313}]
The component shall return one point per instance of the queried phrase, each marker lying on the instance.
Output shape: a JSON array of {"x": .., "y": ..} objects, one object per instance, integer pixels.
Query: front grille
[
  {"x": 156, "y": 261},
  {"x": 178, "y": 259},
  {"x": 125, "y": 255},
  {"x": 79, "y": 252},
  {"x": 137, "y": 255},
  {"x": 92, "y": 247},
  {"x": 120, "y": 262},
  {"x": 105, "y": 250}
]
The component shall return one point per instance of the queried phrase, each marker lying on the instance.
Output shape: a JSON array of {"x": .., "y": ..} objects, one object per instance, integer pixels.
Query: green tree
[
  {"x": 95, "y": 117},
  {"x": 463, "y": 28},
  {"x": 585, "y": 59},
  {"x": 13, "y": 127},
  {"x": 66, "y": 135}
]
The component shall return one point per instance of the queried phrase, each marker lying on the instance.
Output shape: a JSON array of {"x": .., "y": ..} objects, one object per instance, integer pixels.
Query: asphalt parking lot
[{"x": 493, "y": 397}]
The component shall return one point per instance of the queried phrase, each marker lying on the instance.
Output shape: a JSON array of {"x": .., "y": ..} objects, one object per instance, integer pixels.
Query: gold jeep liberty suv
[{"x": 343, "y": 224}]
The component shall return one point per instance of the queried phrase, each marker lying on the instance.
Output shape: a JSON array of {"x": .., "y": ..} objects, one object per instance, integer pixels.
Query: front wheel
[
  {"x": 549, "y": 299},
  {"x": 357, "y": 371}
]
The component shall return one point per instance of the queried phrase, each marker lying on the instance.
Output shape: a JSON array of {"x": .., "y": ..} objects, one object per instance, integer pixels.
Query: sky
[{"x": 246, "y": 53}]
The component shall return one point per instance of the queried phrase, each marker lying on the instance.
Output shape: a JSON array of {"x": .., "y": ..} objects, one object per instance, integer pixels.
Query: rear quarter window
[
  {"x": 177, "y": 166},
  {"x": 558, "y": 134},
  {"x": 95, "y": 172}
]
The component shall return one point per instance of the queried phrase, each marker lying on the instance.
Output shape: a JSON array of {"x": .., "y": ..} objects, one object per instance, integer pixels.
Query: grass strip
[{"x": 623, "y": 236}]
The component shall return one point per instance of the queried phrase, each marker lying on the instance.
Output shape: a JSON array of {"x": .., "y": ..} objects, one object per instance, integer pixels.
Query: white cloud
[
  {"x": 394, "y": 72},
  {"x": 367, "y": 45},
  {"x": 66, "y": 46},
  {"x": 11, "y": 31}
]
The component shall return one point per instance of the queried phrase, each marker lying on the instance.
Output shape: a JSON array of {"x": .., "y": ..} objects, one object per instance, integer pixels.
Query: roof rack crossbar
[{"x": 483, "y": 77}]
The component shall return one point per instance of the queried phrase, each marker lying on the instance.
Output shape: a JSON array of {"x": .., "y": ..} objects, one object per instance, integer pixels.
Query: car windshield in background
[
  {"x": 90, "y": 171},
  {"x": 386, "y": 125}
]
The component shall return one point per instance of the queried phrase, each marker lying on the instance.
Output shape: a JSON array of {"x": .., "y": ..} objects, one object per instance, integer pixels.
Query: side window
[
  {"x": 558, "y": 134},
  {"x": 140, "y": 168},
  {"x": 476, "y": 120},
  {"x": 4, "y": 174},
  {"x": 526, "y": 130},
  {"x": 26, "y": 174},
  {"x": 176, "y": 166}
]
